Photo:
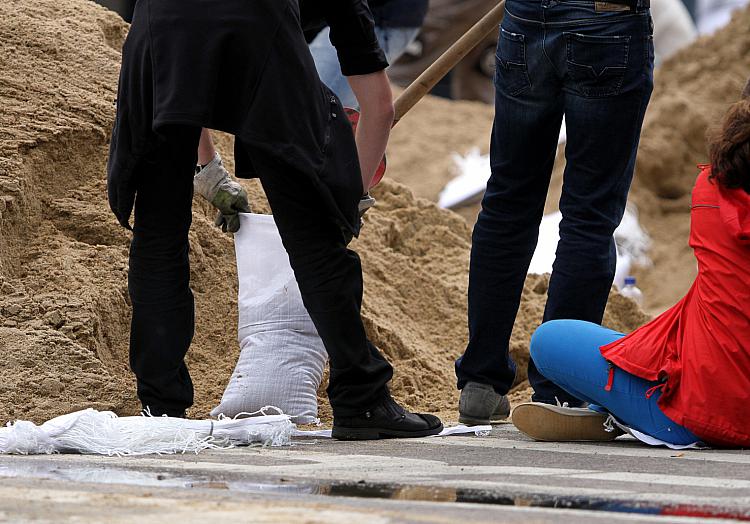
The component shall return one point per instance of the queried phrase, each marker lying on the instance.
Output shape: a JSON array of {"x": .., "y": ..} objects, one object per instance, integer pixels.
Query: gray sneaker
[{"x": 481, "y": 405}]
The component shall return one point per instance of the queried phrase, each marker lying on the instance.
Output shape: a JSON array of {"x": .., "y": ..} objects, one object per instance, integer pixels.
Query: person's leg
[
  {"x": 691, "y": 6},
  {"x": 567, "y": 352},
  {"x": 159, "y": 275},
  {"x": 528, "y": 113},
  {"x": 329, "y": 70},
  {"x": 604, "y": 114},
  {"x": 330, "y": 280},
  {"x": 393, "y": 41}
]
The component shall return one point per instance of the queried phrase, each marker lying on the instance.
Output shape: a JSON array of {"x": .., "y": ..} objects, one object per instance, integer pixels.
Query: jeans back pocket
[
  {"x": 596, "y": 64},
  {"x": 511, "y": 73}
]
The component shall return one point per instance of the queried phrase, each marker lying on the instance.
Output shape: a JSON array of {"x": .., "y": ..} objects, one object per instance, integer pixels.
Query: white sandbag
[
  {"x": 631, "y": 241},
  {"x": 104, "y": 433},
  {"x": 282, "y": 357},
  {"x": 469, "y": 185},
  {"x": 713, "y": 15},
  {"x": 673, "y": 28}
]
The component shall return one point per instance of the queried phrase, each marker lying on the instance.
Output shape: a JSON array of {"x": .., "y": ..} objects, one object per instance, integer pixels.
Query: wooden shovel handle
[{"x": 447, "y": 61}]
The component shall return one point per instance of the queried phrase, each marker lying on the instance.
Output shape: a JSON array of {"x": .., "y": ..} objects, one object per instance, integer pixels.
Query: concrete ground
[{"x": 504, "y": 477}]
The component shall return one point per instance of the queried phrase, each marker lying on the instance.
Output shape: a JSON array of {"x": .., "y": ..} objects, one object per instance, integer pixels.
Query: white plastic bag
[
  {"x": 631, "y": 241},
  {"x": 282, "y": 357}
]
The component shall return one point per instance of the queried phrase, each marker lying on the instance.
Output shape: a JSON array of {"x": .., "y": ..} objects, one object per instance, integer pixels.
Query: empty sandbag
[{"x": 282, "y": 357}]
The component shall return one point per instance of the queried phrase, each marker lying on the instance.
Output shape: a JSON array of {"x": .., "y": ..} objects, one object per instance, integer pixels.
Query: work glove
[
  {"x": 215, "y": 185},
  {"x": 365, "y": 203}
]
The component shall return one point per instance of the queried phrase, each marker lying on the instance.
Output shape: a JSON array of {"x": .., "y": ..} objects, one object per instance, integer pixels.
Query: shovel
[{"x": 433, "y": 74}]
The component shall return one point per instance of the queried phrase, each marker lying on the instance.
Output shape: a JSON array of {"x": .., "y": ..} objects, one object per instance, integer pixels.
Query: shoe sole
[
  {"x": 549, "y": 423},
  {"x": 473, "y": 421},
  {"x": 344, "y": 433}
]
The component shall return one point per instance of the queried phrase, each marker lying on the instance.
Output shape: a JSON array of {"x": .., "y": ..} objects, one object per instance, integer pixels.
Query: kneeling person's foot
[
  {"x": 481, "y": 405},
  {"x": 388, "y": 420},
  {"x": 550, "y": 423}
]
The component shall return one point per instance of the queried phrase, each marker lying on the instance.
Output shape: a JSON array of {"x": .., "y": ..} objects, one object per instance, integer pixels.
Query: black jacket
[
  {"x": 399, "y": 13},
  {"x": 352, "y": 32},
  {"x": 243, "y": 68},
  {"x": 385, "y": 13}
]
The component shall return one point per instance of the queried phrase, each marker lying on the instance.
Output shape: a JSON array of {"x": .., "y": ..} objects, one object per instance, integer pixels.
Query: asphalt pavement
[{"x": 503, "y": 477}]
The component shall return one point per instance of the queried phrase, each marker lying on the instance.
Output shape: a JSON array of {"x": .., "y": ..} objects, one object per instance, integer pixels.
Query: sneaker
[
  {"x": 550, "y": 423},
  {"x": 388, "y": 420},
  {"x": 480, "y": 405}
]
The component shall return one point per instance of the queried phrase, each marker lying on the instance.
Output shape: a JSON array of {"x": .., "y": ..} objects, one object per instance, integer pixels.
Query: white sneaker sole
[{"x": 549, "y": 423}]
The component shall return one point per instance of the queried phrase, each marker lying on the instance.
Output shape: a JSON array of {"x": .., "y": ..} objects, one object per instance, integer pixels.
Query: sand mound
[
  {"x": 692, "y": 91},
  {"x": 64, "y": 310}
]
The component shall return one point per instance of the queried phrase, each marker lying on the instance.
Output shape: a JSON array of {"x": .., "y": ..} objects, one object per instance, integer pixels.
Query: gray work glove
[
  {"x": 214, "y": 183},
  {"x": 365, "y": 203}
]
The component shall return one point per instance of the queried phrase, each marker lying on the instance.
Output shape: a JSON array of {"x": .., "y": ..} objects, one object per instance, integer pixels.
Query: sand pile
[
  {"x": 692, "y": 91},
  {"x": 64, "y": 310}
]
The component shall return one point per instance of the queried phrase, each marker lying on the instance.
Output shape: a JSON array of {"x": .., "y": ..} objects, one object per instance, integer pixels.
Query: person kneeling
[{"x": 684, "y": 377}]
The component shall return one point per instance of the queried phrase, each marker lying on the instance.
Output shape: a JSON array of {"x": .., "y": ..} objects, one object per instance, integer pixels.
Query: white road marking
[
  {"x": 614, "y": 449},
  {"x": 668, "y": 480},
  {"x": 319, "y": 465}
]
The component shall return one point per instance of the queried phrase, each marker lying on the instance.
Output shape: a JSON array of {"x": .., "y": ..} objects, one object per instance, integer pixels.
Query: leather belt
[{"x": 643, "y": 4}]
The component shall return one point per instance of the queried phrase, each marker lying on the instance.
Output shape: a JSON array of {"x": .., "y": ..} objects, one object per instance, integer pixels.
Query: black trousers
[{"x": 329, "y": 277}]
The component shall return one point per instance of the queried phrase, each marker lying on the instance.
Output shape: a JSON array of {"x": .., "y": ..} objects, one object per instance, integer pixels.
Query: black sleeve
[{"x": 353, "y": 36}]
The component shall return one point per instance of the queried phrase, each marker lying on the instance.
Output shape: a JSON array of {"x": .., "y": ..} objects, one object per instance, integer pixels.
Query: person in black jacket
[
  {"x": 245, "y": 68},
  {"x": 340, "y": 57}
]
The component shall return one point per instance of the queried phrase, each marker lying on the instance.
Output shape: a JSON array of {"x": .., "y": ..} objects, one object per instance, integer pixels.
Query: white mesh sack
[
  {"x": 104, "y": 433},
  {"x": 282, "y": 357}
]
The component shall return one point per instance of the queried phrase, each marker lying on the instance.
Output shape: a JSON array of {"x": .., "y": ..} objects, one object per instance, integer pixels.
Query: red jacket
[{"x": 701, "y": 346}]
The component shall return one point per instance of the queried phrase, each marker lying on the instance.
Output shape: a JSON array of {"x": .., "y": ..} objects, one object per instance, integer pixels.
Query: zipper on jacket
[{"x": 610, "y": 376}]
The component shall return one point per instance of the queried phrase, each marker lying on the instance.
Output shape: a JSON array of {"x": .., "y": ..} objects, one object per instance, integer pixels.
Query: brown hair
[{"x": 729, "y": 147}]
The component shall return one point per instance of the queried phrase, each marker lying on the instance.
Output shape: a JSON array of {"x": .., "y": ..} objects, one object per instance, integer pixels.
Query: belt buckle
[{"x": 604, "y": 7}]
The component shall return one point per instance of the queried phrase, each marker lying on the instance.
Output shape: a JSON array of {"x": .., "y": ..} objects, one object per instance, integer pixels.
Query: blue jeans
[
  {"x": 555, "y": 57},
  {"x": 394, "y": 42},
  {"x": 567, "y": 352}
]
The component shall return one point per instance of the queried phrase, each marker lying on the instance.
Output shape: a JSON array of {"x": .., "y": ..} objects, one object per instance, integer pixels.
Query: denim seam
[
  {"x": 544, "y": 49},
  {"x": 649, "y": 38},
  {"x": 589, "y": 93},
  {"x": 506, "y": 63},
  {"x": 575, "y": 22}
]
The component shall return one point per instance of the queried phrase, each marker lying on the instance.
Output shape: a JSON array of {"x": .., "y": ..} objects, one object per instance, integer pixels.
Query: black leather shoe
[{"x": 388, "y": 420}]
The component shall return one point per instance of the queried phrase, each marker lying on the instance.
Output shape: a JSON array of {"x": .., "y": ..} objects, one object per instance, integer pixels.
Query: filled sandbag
[{"x": 282, "y": 356}]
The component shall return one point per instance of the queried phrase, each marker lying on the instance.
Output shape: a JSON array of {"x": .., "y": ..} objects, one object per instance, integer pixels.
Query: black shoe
[{"x": 388, "y": 420}]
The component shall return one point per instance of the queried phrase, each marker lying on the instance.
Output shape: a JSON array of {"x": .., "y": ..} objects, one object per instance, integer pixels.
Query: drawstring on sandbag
[{"x": 609, "y": 424}]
